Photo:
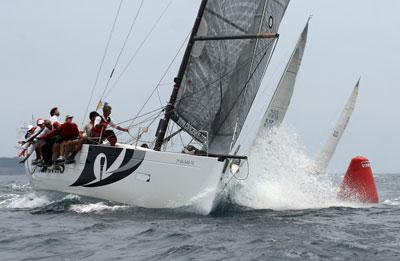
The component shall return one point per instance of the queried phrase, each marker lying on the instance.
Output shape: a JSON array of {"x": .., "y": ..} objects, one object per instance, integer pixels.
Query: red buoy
[{"x": 359, "y": 183}]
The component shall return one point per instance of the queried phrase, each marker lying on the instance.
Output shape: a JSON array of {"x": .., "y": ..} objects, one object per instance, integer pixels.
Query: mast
[{"x": 178, "y": 80}]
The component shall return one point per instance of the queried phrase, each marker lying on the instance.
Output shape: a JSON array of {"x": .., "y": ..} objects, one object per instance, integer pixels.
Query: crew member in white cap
[{"x": 54, "y": 114}]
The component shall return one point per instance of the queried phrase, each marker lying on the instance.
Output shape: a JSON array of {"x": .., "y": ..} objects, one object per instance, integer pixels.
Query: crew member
[
  {"x": 87, "y": 129},
  {"x": 85, "y": 137},
  {"x": 38, "y": 145},
  {"x": 54, "y": 114},
  {"x": 101, "y": 124},
  {"x": 61, "y": 139},
  {"x": 30, "y": 138}
]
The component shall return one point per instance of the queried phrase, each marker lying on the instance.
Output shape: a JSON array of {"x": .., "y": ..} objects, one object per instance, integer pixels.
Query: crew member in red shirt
[
  {"x": 101, "y": 123},
  {"x": 65, "y": 134}
]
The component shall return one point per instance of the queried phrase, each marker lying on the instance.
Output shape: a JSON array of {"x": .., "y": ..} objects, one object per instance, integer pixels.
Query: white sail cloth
[
  {"x": 280, "y": 101},
  {"x": 329, "y": 148}
]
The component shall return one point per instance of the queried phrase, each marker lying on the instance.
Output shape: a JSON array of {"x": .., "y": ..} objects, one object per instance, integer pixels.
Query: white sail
[
  {"x": 280, "y": 101},
  {"x": 330, "y": 146}
]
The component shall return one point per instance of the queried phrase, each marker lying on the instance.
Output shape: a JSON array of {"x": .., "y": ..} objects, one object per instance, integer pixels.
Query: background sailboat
[
  {"x": 280, "y": 101},
  {"x": 329, "y": 148}
]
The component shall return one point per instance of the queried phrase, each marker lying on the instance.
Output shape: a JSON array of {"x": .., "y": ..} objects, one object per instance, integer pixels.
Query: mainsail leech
[{"x": 215, "y": 109}]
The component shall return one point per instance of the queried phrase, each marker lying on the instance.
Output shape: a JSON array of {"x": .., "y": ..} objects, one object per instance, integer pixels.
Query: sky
[{"x": 50, "y": 52}]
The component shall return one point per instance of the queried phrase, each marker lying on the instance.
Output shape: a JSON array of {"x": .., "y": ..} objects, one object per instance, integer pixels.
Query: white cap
[{"x": 40, "y": 122}]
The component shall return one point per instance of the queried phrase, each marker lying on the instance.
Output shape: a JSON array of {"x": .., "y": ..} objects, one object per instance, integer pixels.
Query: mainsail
[
  {"x": 225, "y": 68},
  {"x": 333, "y": 140},
  {"x": 280, "y": 101}
]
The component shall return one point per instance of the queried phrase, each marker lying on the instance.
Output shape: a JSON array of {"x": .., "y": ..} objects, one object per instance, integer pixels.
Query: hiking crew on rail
[{"x": 58, "y": 143}]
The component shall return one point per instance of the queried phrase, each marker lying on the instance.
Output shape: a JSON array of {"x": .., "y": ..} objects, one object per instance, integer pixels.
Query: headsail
[
  {"x": 222, "y": 76},
  {"x": 331, "y": 144},
  {"x": 280, "y": 101}
]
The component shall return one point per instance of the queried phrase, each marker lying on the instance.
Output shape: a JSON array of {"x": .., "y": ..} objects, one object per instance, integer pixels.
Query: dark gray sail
[{"x": 222, "y": 77}]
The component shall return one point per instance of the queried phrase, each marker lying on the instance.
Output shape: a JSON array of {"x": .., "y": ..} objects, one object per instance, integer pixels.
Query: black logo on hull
[{"x": 132, "y": 160}]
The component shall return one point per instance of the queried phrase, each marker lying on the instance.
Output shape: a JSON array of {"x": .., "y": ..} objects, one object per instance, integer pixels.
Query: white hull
[{"x": 136, "y": 176}]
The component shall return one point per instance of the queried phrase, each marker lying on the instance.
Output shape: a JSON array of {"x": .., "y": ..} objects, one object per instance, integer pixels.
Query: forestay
[
  {"x": 280, "y": 101},
  {"x": 222, "y": 77}
]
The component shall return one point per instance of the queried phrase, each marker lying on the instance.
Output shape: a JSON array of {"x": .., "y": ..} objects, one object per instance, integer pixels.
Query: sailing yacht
[
  {"x": 280, "y": 101},
  {"x": 331, "y": 144},
  {"x": 221, "y": 71},
  {"x": 282, "y": 96}
]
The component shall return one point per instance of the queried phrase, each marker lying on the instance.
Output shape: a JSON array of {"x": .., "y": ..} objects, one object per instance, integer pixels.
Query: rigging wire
[
  {"x": 228, "y": 73},
  {"x": 152, "y": 119},
  {"x": 158, "y": 84},
  {"x": 160, "y": 109},
  {"x": 263, "y": 51},
  {"x": 181, "y": 139},
  {"x": 102, "y": 60},
  {"x": 238, "y": 178},
  {"x": 166, "y": 84},
  {"x": 141, "y": 116},
  {"x": 169, "y": 131},
  {"x": 251, "y": 77},
  {"x": 148, "y": 119},
  {"x": 105, "y": 95},
  {"x": 122, "y": 48}
]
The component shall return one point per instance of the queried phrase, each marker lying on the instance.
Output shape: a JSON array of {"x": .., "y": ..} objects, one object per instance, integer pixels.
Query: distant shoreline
[
  {"x": 11, "y": 171},
  {"x": 11, "y": 166}
]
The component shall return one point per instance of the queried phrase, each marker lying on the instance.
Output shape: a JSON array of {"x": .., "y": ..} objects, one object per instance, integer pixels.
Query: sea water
[{"x": 280, "y": 212}]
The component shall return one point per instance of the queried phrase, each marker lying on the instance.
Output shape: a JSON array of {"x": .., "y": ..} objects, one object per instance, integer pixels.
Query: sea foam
[
  {"x": 99, "y": 207},
  {"x": 281, "y": 178},
  {"x": 23, "y": 201}
]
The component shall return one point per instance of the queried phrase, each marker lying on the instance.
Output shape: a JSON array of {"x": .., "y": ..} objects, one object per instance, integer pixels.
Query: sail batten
[{"x": 222, "y": 77}]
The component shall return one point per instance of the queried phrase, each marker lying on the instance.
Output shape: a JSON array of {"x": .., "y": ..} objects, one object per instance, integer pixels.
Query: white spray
[{"x": 280, "y": 176}]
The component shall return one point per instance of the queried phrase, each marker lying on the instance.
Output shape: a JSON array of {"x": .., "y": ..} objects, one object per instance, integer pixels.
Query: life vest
[{"x": 99, "y": 129}]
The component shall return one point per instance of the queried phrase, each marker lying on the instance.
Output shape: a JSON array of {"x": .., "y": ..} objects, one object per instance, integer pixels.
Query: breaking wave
[
  {"x": 281, "y": 176},
  {"x": 99, "y": 207},
  {"x": 392, "y": 202},
  {"x": 23, "y": 201},
  {"x": 20, "y": 197}
]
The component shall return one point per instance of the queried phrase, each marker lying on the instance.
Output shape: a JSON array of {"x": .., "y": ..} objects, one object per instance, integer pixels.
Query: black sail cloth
[{"x": 223, "y": 76}]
